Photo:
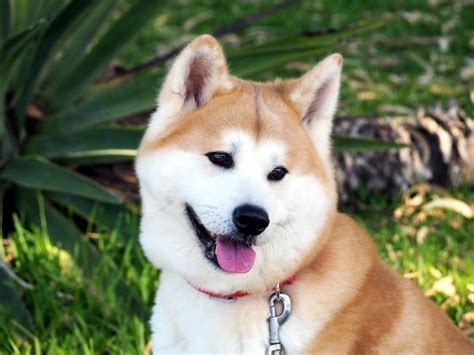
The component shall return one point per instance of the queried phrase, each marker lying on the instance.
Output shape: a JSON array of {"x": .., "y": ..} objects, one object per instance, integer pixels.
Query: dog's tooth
[{"x": 210, "y": 253}]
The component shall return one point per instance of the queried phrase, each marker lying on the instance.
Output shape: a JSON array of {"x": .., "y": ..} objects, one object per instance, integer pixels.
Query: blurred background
[{"x": 79, "y": 79}]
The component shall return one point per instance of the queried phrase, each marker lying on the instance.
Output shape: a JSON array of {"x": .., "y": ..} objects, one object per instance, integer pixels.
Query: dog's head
[{"x": 235, "y": 176}]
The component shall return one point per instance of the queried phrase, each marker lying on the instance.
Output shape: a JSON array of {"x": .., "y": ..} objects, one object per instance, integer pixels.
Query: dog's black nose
[{"x": 250, "y": 220}]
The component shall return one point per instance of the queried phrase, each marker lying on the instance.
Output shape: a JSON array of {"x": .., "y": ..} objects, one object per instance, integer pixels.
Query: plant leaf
[
  {"x": 308, "y": 41},
  {"x": 12, "y": 307},
  {"x": 253, "y": 59},
  {"x": 16, "y": 41},
  {"x": 98, "y": 157},
  {"x": 11, "y": 54},
  {"x": 108, "y": 216},
  {"x": 95, "y": 142},
  {"x": 106, "y": 102},
  {"x": 363, "y": 144},
  {"x": 247, "y": 67},
  {"x": 5, "y": 20},
  {"x": 38, "y": 173},
  {"x": 4, "y": 185},
  {"x": 103, "y": 52},
  {"x": 53, "y": 33},
  {"x": 25, "y": 13},
  {"x": 76, "y": 42}
]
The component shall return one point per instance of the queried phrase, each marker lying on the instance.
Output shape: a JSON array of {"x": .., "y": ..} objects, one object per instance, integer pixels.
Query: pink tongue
[{"x": 234, "y": 257}]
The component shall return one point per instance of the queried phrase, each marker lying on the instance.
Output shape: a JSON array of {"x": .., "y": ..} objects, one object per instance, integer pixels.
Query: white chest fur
[{"x": 185, "y": 320}]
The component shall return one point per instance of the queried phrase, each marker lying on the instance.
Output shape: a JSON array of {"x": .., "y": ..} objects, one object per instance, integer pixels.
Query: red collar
[{"x": 238, "y": 294}]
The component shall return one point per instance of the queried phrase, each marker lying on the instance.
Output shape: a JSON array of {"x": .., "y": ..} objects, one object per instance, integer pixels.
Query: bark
[{"x": 441, "y": 151}]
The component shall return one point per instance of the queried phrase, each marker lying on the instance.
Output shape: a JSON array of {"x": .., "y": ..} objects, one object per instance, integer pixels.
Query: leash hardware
[{"x": 276, "y": 320}]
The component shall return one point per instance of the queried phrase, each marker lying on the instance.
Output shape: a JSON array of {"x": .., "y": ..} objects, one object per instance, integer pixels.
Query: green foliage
[
  {"x": 50, "y": 54},
  {"x": 72, "y": 312}
]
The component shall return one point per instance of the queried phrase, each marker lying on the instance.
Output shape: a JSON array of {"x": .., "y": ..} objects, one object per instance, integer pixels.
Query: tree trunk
[{"x": 441, "y": 151}]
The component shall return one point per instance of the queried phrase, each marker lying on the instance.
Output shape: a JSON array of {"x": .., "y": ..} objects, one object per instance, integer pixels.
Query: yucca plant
[
  {"x": 56, "y": 116},
  {"x": 51, "y": 52}
]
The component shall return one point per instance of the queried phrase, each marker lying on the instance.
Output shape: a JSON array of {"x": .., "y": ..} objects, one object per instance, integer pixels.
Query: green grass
[
  {"x": 423, "y": 57},
  {"x": 428, "y": 247},
  {"x": 74, "y": 313}
]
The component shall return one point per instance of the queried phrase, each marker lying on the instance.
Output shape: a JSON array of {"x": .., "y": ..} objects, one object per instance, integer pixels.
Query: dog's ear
[
  {"x": 196, "y": 74},
  {"x": 316, "y": 95}
]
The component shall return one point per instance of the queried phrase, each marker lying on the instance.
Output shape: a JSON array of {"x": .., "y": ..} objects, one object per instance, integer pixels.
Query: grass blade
[
  {"x": 63, "y": 232},
  {"x": 60, "y": 229},
  {"x": 38, "y": 173}
]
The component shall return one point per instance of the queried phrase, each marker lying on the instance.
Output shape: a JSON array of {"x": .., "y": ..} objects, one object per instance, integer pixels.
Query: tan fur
[
  {"x": 260, "y": 109},
  {"x": 367, "y": 307},
  {"x": 375, "y": 310}
]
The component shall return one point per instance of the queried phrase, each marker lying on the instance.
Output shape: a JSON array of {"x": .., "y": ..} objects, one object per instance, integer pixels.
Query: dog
[{"x": 239, "y": 200}]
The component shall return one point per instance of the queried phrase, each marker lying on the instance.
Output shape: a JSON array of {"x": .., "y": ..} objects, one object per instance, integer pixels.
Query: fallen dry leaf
[
  {"x": 411, "y": 275},
  {"x": 470, "y": 298},
  {"x": 452, "y": 204},
  {"x": 366, "y": 95},
  {"x": 444, "y": 286},
  {"x": 442, "y": 89},
  {"x": 468, "y": 317},
  {"x": 410, "y": 231},
  {"x": 452, "y": 301},
  {"x": 148, "y": 348},
  {"x": 421, "y": 234}
]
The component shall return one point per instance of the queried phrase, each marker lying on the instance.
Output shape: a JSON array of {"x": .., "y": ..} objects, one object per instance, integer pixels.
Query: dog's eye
[
  {"x": 222, "y": 159},
  {"x": 277, "y": 174}
]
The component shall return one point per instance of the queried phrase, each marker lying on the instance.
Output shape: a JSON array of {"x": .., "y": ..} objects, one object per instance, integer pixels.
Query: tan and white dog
[{"x": 238, "y": 194}]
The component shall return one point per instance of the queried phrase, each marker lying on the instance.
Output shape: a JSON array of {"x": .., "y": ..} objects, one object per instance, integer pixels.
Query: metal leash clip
[{"x": 276, "y": 321}]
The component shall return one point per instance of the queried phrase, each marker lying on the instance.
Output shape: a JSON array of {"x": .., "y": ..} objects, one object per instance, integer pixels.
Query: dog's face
[{"x": 235, "y": 177}]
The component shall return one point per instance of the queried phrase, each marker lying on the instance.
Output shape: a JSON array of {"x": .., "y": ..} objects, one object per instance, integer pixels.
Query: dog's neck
[{"x": 239, "y": 294}]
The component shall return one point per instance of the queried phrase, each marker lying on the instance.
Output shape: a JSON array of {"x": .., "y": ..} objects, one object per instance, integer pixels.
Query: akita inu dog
[{"x": 238, "y": 197}]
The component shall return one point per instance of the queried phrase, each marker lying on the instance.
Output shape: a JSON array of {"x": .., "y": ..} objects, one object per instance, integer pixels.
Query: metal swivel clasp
[{"x": 275, "y": 321}]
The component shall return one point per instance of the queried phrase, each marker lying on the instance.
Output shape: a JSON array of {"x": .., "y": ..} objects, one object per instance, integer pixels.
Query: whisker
[
  {"x": 205, "y": 206},
  {"x": 293, "y": 230}
]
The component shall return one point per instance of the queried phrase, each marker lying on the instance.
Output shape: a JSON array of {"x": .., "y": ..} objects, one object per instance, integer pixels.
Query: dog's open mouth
[{"x": 229, "y": 255}]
